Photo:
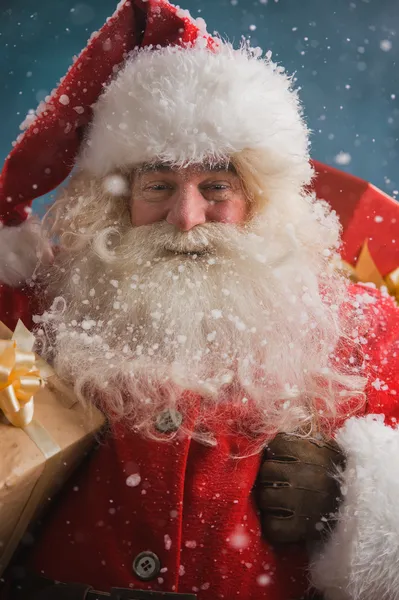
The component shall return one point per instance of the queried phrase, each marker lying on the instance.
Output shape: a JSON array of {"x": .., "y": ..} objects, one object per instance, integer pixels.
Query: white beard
[{"x": 243, "y": 321}]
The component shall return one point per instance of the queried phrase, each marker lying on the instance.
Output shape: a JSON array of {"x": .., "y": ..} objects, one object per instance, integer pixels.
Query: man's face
[
  {"x": 187, "y": 197},
  {"x": 194, "y": 294}
]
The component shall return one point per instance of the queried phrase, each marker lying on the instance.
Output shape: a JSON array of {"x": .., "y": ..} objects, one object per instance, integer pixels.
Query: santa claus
[{"x": 193, "y": 296}]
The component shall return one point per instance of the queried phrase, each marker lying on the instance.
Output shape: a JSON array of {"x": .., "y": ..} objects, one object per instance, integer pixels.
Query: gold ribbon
[
  {"x": 366, "y": 271},
  {"x": 20, "y": 376}
]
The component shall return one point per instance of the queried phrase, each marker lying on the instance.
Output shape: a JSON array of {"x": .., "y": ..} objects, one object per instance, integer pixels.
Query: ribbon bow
[
  {"x": 366, "y": 271},
  {"x": 20, "y": 377}
]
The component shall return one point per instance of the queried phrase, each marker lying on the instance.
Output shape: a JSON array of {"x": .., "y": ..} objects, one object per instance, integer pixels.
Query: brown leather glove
[{"x": 296, "y": 491}]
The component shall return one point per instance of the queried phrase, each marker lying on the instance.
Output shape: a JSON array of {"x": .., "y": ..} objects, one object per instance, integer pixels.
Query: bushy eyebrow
[{"x": 204, "y": 167}]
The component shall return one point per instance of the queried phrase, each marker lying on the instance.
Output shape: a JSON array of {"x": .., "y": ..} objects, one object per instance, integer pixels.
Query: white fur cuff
[
  {"x": 361, "y": 559},
  {"x": 20, "y": 249}
]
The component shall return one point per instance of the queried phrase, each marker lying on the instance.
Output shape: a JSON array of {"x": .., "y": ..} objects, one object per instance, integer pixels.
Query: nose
[{"x": 188, "y": 208}]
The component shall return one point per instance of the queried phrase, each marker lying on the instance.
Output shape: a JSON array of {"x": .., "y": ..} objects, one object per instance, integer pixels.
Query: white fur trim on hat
[
  {"x": 20, "y": 249},
  {"x": 185, "y": 105},
  {"x": 360, "y": 560}
]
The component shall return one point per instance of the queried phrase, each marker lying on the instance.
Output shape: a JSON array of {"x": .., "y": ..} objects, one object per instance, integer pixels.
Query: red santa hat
[{"x": 152, "y": 85}]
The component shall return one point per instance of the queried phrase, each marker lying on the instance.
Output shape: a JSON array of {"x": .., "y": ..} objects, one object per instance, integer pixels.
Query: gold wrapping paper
[
  {"x": 36, "y": 460},
  {"x": 366, "y": 271}
]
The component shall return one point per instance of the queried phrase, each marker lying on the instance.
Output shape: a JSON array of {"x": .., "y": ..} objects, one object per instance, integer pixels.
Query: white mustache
[{"x": 195, "y": 240}]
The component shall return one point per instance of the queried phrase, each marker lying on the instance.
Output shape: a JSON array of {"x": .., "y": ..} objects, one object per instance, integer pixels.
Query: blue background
[{"x": 345, "y": 54}]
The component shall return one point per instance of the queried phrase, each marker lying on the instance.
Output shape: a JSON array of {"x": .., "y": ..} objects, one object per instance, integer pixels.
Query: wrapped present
[{"x": 44, "y": 432}]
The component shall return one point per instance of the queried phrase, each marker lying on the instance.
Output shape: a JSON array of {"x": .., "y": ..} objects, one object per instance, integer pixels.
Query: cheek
[
  {"x": 228, "y": 212},
  {"x": 142, "y": 213}
]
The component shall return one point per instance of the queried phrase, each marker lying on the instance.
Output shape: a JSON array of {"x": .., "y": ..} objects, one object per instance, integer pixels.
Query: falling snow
[
  {"x": 133, "y": 480},
  {"x": 240, "y": 539},
  {"x": 116, "y": 185},
  {"x": 263, "y": 580},
  {"x": 343, "y": 158},
  {"x": 64, "y": 99},
  {"x": 386, "y": 45}
]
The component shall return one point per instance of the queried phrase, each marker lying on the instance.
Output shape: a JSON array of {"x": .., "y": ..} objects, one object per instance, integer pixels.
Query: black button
[{"x": 146, "y": 566}]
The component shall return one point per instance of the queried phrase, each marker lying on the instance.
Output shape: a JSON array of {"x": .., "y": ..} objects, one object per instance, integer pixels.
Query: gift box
[{"x": 51, "y": 434}]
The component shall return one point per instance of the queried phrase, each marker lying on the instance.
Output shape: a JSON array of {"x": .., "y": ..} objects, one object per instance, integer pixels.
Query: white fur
[
  {"x": 361, "y": 559},
  {"x": 184, "y": 105},
  {"x": 20, "y": 249}
]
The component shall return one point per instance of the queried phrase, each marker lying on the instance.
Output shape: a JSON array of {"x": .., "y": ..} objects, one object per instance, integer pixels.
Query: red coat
[{"x": 190, "y": 504}]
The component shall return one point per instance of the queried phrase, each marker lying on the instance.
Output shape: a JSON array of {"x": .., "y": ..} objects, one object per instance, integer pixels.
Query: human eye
[
  {"x": 157, "y": 187},
  {"x": 156, "y": 191},
  {"x": 217, "y": 191},
  {"x": 219, "y": 186}
]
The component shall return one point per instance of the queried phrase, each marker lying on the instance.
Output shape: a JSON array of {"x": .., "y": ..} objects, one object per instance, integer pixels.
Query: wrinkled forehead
[{"x": 203, "y": 167}]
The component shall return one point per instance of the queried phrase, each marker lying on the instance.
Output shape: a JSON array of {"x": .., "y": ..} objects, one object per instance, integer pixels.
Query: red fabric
[
  {"x": 382, "y": 356},
  {"x": 15, "y": 304},
  {"x": 193, "y": 506},
  {"x": 44, "y": 155},
  {"x": 365, "y": 213}
]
